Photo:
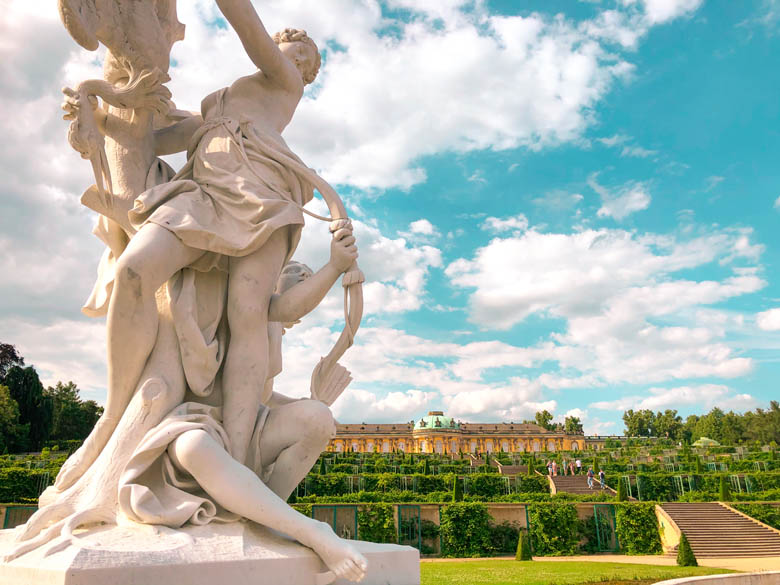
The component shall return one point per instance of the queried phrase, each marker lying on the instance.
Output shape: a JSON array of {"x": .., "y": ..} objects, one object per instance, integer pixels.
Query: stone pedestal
[{"x": 217, "y": 554}]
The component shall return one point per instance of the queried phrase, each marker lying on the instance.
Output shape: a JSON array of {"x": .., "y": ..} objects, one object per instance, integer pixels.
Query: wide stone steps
[
  {"x": 577, "y": 484},
  {"x": 715, "y": 531}
]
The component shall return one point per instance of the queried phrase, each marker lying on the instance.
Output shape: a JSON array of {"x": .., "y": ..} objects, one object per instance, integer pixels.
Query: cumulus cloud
[
  {"x": 701, "y": 397},
  {"x": 516, "y": 224},
  {"x": 769, "y": 320},
  {"x": 617, "y": 293},
  {"x": 622, "y": 201}
]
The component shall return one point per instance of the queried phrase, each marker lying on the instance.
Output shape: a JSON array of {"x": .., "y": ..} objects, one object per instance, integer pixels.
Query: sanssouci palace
[{"x": 441, "y": 434}]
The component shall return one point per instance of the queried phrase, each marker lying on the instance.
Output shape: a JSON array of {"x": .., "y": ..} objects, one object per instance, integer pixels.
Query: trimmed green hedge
[
  {"x": 637, "y": 528},
  {"x": 762, "y": 512},
  {"x": 465, "y": 530},
  {"x": 554, "y": 529}
]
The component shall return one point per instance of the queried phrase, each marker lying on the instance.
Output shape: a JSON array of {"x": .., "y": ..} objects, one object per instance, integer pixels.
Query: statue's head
[
  {"x": 301, "y": 50},
  {"x": 293, "y": 273}
]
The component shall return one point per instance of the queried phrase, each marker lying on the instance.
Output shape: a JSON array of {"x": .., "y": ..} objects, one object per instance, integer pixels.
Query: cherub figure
[{"x": 236, "y": 205}]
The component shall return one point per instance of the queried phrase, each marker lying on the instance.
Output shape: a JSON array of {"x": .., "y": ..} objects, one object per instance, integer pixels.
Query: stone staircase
[
  {"x": 716, "y": 531},
  {"x": 577, "y": 484}
]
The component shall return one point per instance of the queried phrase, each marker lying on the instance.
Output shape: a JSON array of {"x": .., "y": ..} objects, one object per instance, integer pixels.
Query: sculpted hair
[{"x": 294, "y": 35}]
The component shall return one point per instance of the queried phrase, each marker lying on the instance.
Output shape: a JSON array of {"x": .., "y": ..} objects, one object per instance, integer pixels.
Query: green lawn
[{"x": 508, "y": 572}]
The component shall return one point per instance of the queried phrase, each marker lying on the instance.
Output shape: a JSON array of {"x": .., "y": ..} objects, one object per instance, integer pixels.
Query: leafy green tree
[
  {"x": 11, "y": 432},
  {"x": 9, "y": 357},
  {"x": 72, "y": 418},
  {"x": 427, "y": 467},
  {"x": 523, "y": 547},
  {"x": 685, "y": 556},
  {"x": 640, "y": 423},
  {"x": 668, "y": 424},
  {"x": 323, "y": 468},
  {"x": 572, "y": 425},
  {"x": 35, "y": 409},
  {"x": 544, "y": 419}
]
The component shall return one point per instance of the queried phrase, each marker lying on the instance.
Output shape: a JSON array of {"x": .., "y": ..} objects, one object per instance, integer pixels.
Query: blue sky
[{"x": 562, "y": 205}]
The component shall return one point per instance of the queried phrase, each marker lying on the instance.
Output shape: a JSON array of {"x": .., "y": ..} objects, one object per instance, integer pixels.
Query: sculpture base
[{"x": 217, "y": 554}]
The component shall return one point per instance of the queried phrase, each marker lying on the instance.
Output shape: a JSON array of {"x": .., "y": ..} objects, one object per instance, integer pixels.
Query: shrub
[
  {"x": 465, "y": 530},
  {"x": 523, "y": 547},
  {"x": 504, "y": 537},
  {"x": 724, "y": 493},
  {"x": 375, "y": 523},
  {"x": 554, "y": 529},
  {"x": 621, "y": 491},
  {"x": 637, "y": 528},
  {"x": 685, "y": 556},
  {"x": 457, "y": 489},
  {"x": 763, "y": 513}
]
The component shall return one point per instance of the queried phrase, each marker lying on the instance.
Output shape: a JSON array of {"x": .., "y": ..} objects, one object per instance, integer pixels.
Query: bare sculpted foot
[
  {"x": 340, "y": 556},
  {"x": 78, "y": 463}
]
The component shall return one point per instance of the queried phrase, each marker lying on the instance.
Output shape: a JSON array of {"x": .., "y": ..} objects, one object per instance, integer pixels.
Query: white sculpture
[{"x": 196, "y": 283}]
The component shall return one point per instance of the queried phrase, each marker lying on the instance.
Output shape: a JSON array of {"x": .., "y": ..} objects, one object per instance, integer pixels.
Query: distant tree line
[
  {"x": 759, "y": 425},
  {"x": 571, "y": 425},
  {"x": 31, "y": 415}
]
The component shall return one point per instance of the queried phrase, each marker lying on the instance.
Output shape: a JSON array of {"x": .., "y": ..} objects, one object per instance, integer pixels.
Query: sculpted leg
[
  {"x": 150, "y": 259},
  {"x": 239, "y": 490},
  {"x": 251, "y": 284},
  {"x": 294, "y": 436}
]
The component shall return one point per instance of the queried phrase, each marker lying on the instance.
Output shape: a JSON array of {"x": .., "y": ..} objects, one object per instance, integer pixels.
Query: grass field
[{"x": 508, "y": 572}]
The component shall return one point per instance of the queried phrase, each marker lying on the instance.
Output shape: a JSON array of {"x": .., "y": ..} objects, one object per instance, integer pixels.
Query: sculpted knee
[
  {"x": 189, "y": 447},
  {"x": 319, "y": 425}
]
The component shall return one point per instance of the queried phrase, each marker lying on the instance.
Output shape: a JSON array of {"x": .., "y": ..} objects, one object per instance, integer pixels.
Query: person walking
[
  {"x": 554, "y": 467},
  {"x": 578, "y": 463},
  {"x": 549, "y": 468},
  {"x": 602, "y": 477},
  {"x": 590, "y": 477}
]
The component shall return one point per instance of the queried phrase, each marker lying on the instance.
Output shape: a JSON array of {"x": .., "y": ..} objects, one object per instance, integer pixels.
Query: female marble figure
[{"x": 219, "y": 233}]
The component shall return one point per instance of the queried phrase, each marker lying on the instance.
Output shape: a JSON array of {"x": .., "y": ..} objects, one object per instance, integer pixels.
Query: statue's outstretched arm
[
  {"x": 302, "y": 298},
  {"x": 258, "y": 44}
]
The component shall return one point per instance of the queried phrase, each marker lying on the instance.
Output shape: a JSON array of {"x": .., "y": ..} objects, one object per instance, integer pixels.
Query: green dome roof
[{"x": 436, "y": 420}]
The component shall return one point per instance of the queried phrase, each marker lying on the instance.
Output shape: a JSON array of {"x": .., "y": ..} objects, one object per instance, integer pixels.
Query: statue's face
[
  {"x": 291, "y": 275},
  {"x": 303, "y": 55}
]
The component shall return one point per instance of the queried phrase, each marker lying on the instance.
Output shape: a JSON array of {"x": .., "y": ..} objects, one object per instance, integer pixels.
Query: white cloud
[
  {"x": 515, "y": 224},
  {"x": 769, "y": 320},
  {"x": 627, "y": 319},
  {"x": 393, "y": 407},
  {"x": 701, "y": 398},
  {"x": 422, "y": 226},
  {"x": 637, "y": 152},
  {"x": 621, "y": 202},
  {"x": 777, "y": 203},
  {"x": 661, "y": 11}
]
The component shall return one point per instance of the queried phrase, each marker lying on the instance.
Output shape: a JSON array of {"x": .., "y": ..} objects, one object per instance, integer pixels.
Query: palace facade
[{"x": 436, "y": 433}]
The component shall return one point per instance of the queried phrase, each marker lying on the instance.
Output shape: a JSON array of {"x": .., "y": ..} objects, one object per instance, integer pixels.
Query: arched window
[
  {"x": 473, "y": 446},
  {"x": 439, "y": 446},
  {"x": 339, "y": 447},
  {"x": 402, "y": 446},
  {"x": 454, "y": 447},
  {"x": 386, "y": 447},
  {"x": 424, "y": 446},
  {"x": 370, "y": 447},
  {"x": 551, "y": 445},
  {"x": 537, "y": 446},
  {"x": 520, "y": 446},
  {"x": 489, "y": 446},
  {"x": 355, "y": 447},
  {"x": 505, "y": 446},
  {"x": 575, "y": 446}
]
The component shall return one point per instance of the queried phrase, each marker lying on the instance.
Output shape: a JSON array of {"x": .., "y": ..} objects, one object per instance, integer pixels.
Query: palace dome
[{"x": 435, "y": 420}]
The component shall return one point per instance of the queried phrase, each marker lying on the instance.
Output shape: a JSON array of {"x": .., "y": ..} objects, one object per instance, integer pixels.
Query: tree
[
  {"x": 427, "y": 467},
  {"x": 9, "y": 357},
  {"x": 35, "y": 409},
  {"x": 668, "y": 424},
  {"x": 544, "y": 419},
  {"x": 572, "y": 425},
  {"x": 523, "y": 547},
  {"x": 11, "y": 432},
  {"x": 640, "y": 423},
  {"x": 323, "y": 469},
  {"x": 685, "y": 556},
  {"x": 72, "y": 418},
  {"x": 457, "y": 489}
]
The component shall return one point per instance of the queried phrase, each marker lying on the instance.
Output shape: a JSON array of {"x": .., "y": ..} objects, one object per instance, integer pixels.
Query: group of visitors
[{"x": 566, "y": 468}]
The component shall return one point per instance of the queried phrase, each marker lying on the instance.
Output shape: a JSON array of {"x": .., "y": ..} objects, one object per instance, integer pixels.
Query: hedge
[
  {"x": 465, "y": 530},
  {"x": 765, "y": 513},
  {"x": 637, "y": 528},
  {"x": 554, "y": 529},
  {"x": 376, "y": 523}
]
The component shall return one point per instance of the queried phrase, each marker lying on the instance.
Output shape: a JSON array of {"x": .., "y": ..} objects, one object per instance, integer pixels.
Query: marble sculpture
[{"x": 197, "y": 285}]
